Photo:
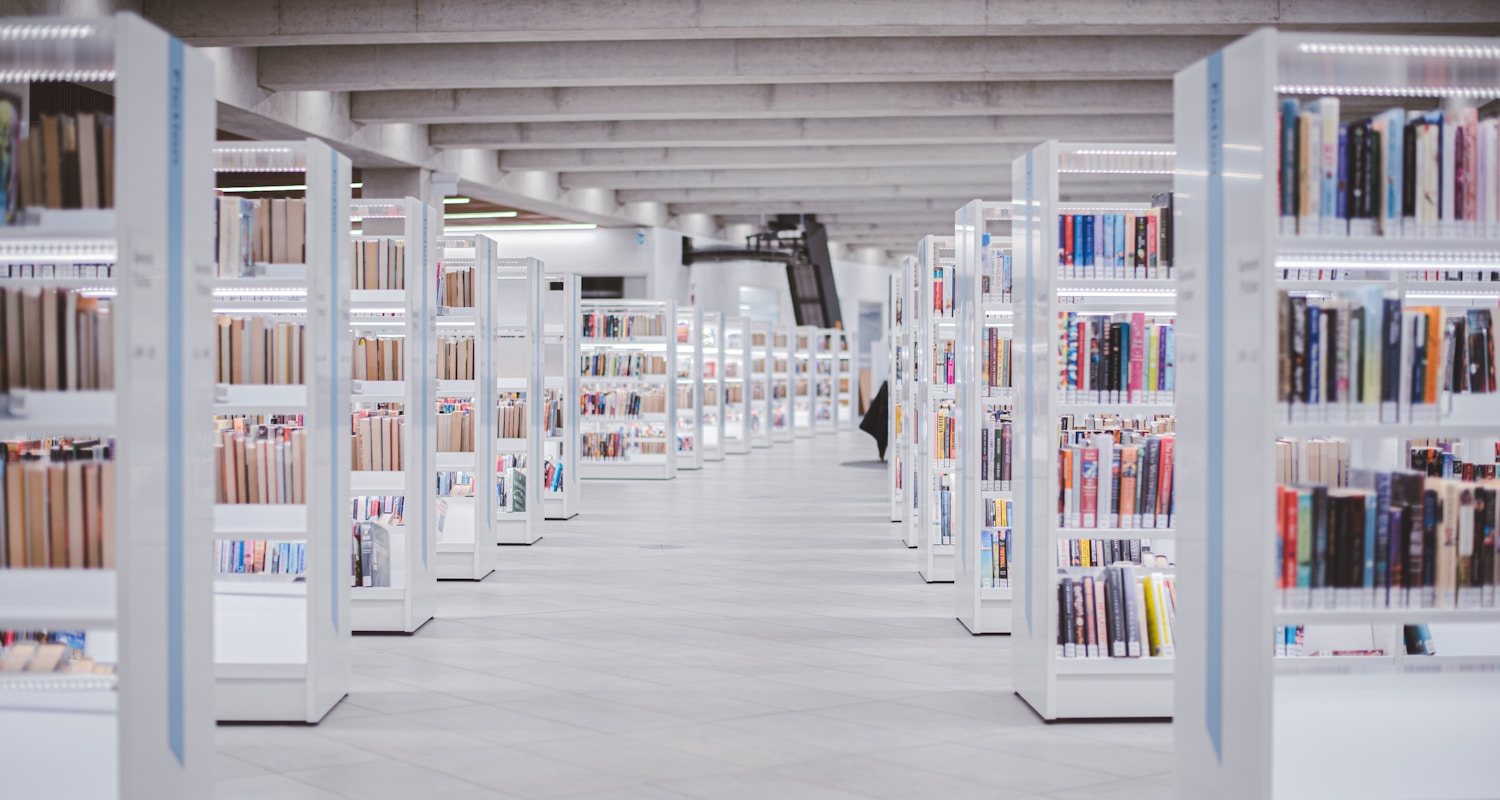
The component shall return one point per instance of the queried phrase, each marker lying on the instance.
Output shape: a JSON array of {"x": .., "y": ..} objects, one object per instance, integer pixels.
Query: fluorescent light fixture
[
  {"x": 258, "y": 292},
  {"x": 357, "y": 185},
  {"x": 481, "y": 215},
  {"x": 540, "y": 226},
  {"x": 1384, "y": 49},
  {"x": 1393, "y": 91},
  {"x": 455, "y": 201},
  {"x": 285, "y": 187}
]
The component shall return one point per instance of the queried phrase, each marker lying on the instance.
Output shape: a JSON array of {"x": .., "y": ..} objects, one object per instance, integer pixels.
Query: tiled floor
[{"x": 788, "y": 650}]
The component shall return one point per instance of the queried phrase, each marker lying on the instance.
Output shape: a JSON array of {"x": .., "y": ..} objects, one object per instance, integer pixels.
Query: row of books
[
  {"x": 379, "y": 263},
  {"x": 1395, "y": 539},
  {"x": 371, "y": 554},
  {"x": 249, "y": 232},
  {"x": 996, "y": 275},
  {"x": 1132, "y": 246},
  {"x": 616, "y": 325},
  {"x": 1108, "y": 552},
  {"x": 1318, "y": 459},
  {"x": 999, "y": 512},
  {"x": 942, "y": 517},
  {"x": 510, "y": 475},
  {"x": 257, "y": 351},
  {"x": 510, "y": 417},
  {"x": 60, "y": 161},
  {"x": 1398, "y": 173},
  {"x": 457, "y": 288},
  {"x": 455, "y": 483},
  {"x": 57, "y": 509},
  {"x": 622, "y": 365},
  {"x": 56, "y": 340},
  {"x": 944, "y": 366},
  {"x": 552, "y": 476},
  {"x": 1120, "y": 479},
  {"x": 388, "y": 510},
  {"x": 69, "y": 270},
  {"x": 552, "y": 413},
  {"x": 996, "y": 361},
  {"x": 684, "y": 440},
  {"x": 945, "y": 431},
  {"x": 1116, "y": 358},
  {"x": 260, "y": 464},
  {"x": 622, "y": 403},
  {"x": 455, "y": 427},
  {"x": 380, "y": 358},
  {"x": 994, "y": 558},
  {"x": 455, "y": 358},
  {"x": 1123, "y": 613},
  {"x": 1439, "y": 458},
  {"x": 944, "y": 291},
  {"x": 378, "y": 441},
  {"x": 259, "y": 556},
  {"x": 48, "y": 652},
  {"x": 995, "y": 450}
]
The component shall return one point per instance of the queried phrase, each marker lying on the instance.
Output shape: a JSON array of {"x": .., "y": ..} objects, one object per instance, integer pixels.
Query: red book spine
[
  {"x": 1137, "y": 355},
  {"x": 1289, "y": 538},
  {"x": 1067, "y": 242},
  {"x": 1164, "y": 483},
  {"x": 1089, "y": 492}
]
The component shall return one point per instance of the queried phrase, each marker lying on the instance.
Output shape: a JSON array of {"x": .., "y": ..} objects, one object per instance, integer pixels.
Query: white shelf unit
[
  {"x": 780, "y": 378},
  {"x": 1054, "y": 686},
  {"x": 737, "y": 376},
  {"x": 1250, "y": 724},
  {"x": 560, "y": 484},
  {"x": 846, "y": 382},
  {"x": 983, "y": 586},
  {"x": 713, "y": 386},
  {"x": 895, "y": 399},
  {"x": 935, "y": 553},
  {"x": 642, "y": 445},
  {"x": 146, "y": 731},
  {"x": 282, "y": 649},
  {"x": 804, "y": 381},
  {"x": 911, "y": 430},
  {"x": 688, "y": 367},
  {"x": 825, "y": 380},
  {"x": 522, "y": 324},
  {"x": 411, "y": 598},
  {"x": 759, "y": 388}
]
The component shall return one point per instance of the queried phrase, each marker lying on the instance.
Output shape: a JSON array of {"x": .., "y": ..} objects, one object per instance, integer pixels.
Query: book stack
[
  {"x": 1319, "y": 459},
  {"x": 510, "y": 417},
  {"x": 734, "y": 393},
  {"x": 63, "y": 160},
  {"x": 944, "y": 506},
  {"x": 945, "y": 431},
  {"x": 48, "y": 652},
  {"x": 604, "y": 446},
  {"x": 1397, "y": 539},
  {"x": 685, "y": 398},
  {"x": 58, "y": 506},
  {"x": 1122, "y": 612},
  {"x": 378, "y": 440},
  {"x": 552, "y": 413},
  {"x": 1136, "y": 246},
  {"x": 455, "y": 358},
  {"x": 944, "y": 297},
  {"x": 1443, "y": 458},
  {"x": 510, "y": 487},
  {"x": 379, "y": 264},
  {"x": 1116, "y": 478},
  {"x": 256, "y": 351},
  {"x": 997, "y": 280},
  {"x": 258, "y": 557},
  {"x": 1364, "y": 357},
  {"x": 994, "y": 558},
  {"x": 371, "y": 555},
  {"x": 388, "y": 510},
  {"x": 623, "y": 365},
  {"x": 622, "y": 404},
  {"x": 259, "y": 463},
  {"x": 378, "y": 358},
  {"x": 452, "y": 483},
  {"x": 1116, "y": 358},
  {"x": 996, "y": 361},
  {"x": 552, "y": 476},
  {"x": 615, "y": 325},
  {"x": 943, "y": 366},
  {"x": 266, "y": 231},
  {"x": 56, "y": 340},
  {"x": 1399, "y": 173},
  {"x": 455, "y": 427},
  {"x": 995, "y": 449},
  {"x": 457, "y": 289},
  {"x": 1107, "y": 552}
]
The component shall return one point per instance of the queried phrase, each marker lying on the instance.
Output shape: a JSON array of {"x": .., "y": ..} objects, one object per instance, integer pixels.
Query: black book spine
[
  {"x": 1409, "y": 171},
  {"x": 1390, "y": 361},
  {"x": 1064, "y": 615},
  {"x": 1320, "y": 537},
  {"x": 1431, "y": 515},
  {"x": 1328, "y": 331},
  {"x": 1354, "y": 171}
]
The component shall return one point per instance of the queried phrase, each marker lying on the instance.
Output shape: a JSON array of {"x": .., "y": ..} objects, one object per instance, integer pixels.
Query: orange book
[
  {"x": 1127, "y": 486},
  {"x": 15, "y": 515}
]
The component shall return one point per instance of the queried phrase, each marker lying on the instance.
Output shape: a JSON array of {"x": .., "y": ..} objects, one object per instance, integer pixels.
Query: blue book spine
[
  {"x": 1304, "y": 568},
  {"x": 1088, "y": 241},
  {"x": 1120, "y": 236},
  {"x": 986, "y": 559},
  {"x": 1382, "y": 536},
  {"x": 1315, "y": 367},
  {"x": 1372, "y": 511},
  {"x": 1343, "y": 174},
  {"x": 1391, "y": 163},
  {"x": 1109, "y": 242},
  {"x": 1288, "y": 157},
  {"x": 1062, "y": 230},
  {"x": 1078, "y": 241},
  {"x": 1098, "y": 233},
  {"x": 1169, "y": 360}
]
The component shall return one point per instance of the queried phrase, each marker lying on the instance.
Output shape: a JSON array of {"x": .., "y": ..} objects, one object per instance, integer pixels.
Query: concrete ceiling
[{"x": 880, "y": 116}]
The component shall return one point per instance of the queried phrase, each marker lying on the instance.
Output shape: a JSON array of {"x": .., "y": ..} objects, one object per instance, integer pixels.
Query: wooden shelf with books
[
  {"x": 689, "y": 386},
  {"x": 627, "y": 369},
  {"x": 1340, "y": 416},
  {"x": 713, "y": 386},
  {"x": 560, "y": 423},
  {"x": 935, "y": 409},
  {"x": 739, "y": 333},
  {"x": 895, "y": 397},
  {"x": 758, "y": 388},
  {"x": 985, "y": 506},
  {"x": 393, "y": 316},
  {"x": 281, "y": 593},
  {"x": 804, "y": 381},
  {"x": 1093, "y": 431},
  {"x": 779, "y": 380}
]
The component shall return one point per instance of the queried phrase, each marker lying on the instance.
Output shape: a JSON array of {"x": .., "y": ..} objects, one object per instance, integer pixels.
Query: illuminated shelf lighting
[
  {"x": 455, "y": 201},
  {"x": 1392, "y": 91},
  {"x": 541, "y": 226},
  {"x": 1383, "y": 49},
  {"x": 1080, "y": 171},
  {"x": 22, "y": 31},
  {"x": 481, "y": 215},
  {"x": 73, "y": 75},
  {"x": 270, "y": 291}
]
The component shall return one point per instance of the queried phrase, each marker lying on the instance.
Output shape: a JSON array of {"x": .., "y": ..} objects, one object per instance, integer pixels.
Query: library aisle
[{"x": 750, "y": 630}]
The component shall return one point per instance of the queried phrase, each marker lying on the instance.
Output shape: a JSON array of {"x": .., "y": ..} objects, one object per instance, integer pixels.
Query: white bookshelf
[
  {"x": 846, "y": 382},
  {"x": 411, "y": 598},
  {"x": 521, "y": 325},
  {"x": 146, "y": 731},
  {"x": 639, "y": 446},
  {"x": 895, "y": 399},
  {"x": 282, "y": 649},
  {"x": 737, "y": 376},
  {"x": 560, "y": 352},
  {"x": 713, "y": 386},
  {"x": 689, "y": 370},
  {"x": 1054, "y": 686},
  {"x": 1247, "y": 720},
  {"x": 983, "y": 588},
  {"x": 781, "y": 383},
  {"x": 804, "y": 381},
  {"x": 759, "y": 384},
  {"x": 935, "y": 477},
  {"x": 825, "y": 374},
  {"x": 911, "y": 430}
]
